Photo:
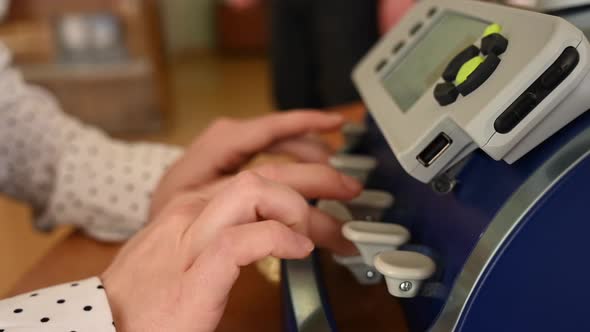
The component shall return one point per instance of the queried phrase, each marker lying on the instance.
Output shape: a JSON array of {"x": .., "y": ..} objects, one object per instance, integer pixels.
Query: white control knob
[
  {"x": 357, "y": 166},
  {"x": 364, "y": 274},
  {"x": 404, "y": 271},
  {"x": 370, "y": 205},
  {"x": 335, "y": 209},
  {"x": 352, "y": 132},
  {"x": 371, "y": 238}
]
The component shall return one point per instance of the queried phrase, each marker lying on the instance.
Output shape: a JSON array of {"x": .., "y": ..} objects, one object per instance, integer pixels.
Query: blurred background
[{"x": 139, "y": 69}]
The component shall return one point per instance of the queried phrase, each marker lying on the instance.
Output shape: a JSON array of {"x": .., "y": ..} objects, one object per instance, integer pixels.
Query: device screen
[{"x": 424, "y": 64}]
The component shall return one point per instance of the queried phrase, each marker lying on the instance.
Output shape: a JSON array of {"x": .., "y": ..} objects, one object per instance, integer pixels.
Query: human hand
[
  {"x": 228, "y": 144},
  {"x": 176, "y": 274},
  {"x": 312, "y": 181}
]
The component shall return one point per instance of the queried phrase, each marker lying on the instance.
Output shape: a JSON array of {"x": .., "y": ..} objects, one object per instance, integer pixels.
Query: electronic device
[
  {"x": 450, "y": 80},
  {"x": 547, "y": 5},
  {"x": 576, "y": 12},
  {"x": 485, "y": 106}
]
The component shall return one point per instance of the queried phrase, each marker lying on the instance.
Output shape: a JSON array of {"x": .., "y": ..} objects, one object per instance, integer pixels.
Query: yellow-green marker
[
  {"x": 467, "y": 69},
  {"x": 491, "y": 29}
]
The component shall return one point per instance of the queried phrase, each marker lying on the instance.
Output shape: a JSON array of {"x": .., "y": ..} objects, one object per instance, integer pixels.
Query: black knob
[
  {"x": 450, "y": 73},
  {"x": 480, "y": 75},
  {"x": 494, "y": 43},
  {"x": 560, "y": 70},
  {"x": 446, "y": 93},
  {"x": 510, "y": 118}
]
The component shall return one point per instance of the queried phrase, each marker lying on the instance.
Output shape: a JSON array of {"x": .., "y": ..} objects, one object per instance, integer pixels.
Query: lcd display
[{"x": 422, "y": 66}]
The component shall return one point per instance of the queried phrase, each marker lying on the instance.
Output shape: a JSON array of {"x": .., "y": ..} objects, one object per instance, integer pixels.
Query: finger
[
  {"x": 262, "y": 132},
  {"x": 305, "y": 149},
  {"x": 214, "y": 272},
  {"x": 248, "y": 198},
  {"x": 312, "y": 180},
  {"x": 247, "y": 138},
  {"x": 325, "y": 232},
  {"x": 297, "y": 123}
]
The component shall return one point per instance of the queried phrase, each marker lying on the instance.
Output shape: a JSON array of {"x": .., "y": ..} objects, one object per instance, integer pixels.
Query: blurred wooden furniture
[
  {"x": 243, "y": 31},
  {"x": 129, "y": 95}
]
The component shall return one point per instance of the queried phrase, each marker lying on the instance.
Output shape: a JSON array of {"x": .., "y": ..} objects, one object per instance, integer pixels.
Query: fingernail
[
  {"x": 304, "y": 242},
  {"x": 351, "y": 183}
]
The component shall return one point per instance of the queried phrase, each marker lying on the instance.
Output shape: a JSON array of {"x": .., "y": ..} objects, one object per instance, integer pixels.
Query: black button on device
[
  {"x": 380, "y": 65},
  {"x": 450, "y": 73},
  {"x": 494, "y": 43},
  {"x": 558, "y": 71},
  {"x": 446, "y": 93},
  {"x": 415, "y": 28},
  {"x": 434, "y": 150},
  {"x": 538, "y": 91},
  {"x": 479, "y": 75},
  {"x": 432, "y": 11},
  {"x": 398, "y": 47},
  {"x": 516, "y": 113}
]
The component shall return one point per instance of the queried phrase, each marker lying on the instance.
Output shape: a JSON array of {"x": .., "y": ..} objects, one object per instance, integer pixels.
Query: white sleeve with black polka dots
[
  {"x": 68, "y": 172},
  {"x": 81, "y": 307}
]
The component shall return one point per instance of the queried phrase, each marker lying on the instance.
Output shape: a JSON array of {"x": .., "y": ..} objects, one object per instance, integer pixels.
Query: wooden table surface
[{"x": 255, "y": 301}]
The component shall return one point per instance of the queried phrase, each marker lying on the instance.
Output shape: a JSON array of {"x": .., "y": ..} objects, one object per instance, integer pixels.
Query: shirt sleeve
[
  {"x": 71, "y": 173},
  {"x": 77, "y": 306}
]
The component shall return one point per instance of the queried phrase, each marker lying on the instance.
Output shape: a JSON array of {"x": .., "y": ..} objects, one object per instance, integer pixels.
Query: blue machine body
[
  {"x": 451, "y": 225},
  {"x": 535, "y": 281}
]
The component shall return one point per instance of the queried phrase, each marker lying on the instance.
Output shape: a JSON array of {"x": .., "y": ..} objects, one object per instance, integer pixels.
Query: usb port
[{"x": 435, "y": 149}]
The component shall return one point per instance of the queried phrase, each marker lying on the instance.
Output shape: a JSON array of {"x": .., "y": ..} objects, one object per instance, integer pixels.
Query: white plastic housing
[
  {"x": 364, "y": 274},
  {"x": 357, "y": 166},
  {"x": 378, "y": 199},
  {"x": 335, "y": 209},
  {"x": 371, "y": 238},
  {"x": 370, "y": 205},
  {"x": 353, "y": 133},
  {"x": 535, "y": 42},
  {"x": 401, "y": 267}
]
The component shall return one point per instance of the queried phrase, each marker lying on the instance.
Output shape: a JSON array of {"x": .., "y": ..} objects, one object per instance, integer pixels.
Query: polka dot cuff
[{"x": 78, "y": 306}]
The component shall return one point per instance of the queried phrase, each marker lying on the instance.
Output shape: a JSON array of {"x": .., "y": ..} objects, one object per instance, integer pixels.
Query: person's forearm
[
  {"x": 105, "y": 187},
  {"x": 69, "y": 172}
]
